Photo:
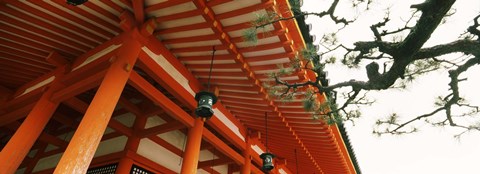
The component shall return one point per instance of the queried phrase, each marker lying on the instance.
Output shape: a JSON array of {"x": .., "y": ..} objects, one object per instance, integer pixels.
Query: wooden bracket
[
  {"x": 56, "y": 59},
  {"x": 148, "y": 27},
  {"x": 127, "y": 22}
]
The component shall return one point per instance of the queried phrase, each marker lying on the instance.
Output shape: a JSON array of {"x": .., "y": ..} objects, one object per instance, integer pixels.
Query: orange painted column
[
  {"x": 82, "y": 147},
  {"x": 248, "y": 160},
  {"x": 192, "y": 151},
  {"x": 125, "y": 164},
  {"x": 22, "y": 141}
]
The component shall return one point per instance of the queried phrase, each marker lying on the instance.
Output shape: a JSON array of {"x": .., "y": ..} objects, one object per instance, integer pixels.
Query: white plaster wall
[
  {"x": 32, "y": 153},
  {"x": 50, "y": 148},
  {"x": 176, "y": 138},
  {"x": 221, "y": 169},
  {"x": 111, "y": 146},
  {"x": 206, "y": 155},
  {"x": 105, "y": 147},
  {"x": 164, "y": 157},
  {"x": 154, "y": 121},
  {"x": 126, "y": 119},
  {"x": 159, "y": 155},
  {"x": 21, "y": 171},
  {"x": 47, "y": 162},
  {"x": 170, "y": 69},
  {"x": 228, "y": 123}
]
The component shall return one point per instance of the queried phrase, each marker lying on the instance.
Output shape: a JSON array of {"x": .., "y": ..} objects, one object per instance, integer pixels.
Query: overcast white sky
[{"x": 432, "y": 150}]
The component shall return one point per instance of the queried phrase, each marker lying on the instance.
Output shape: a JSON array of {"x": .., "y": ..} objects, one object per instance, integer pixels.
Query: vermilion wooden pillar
[
  {"x": 125, "y": 163},
  {"x": 248, "y": 160},
  {"x": 192, "y": 151},
  {"x": 22, "y": 141},
  {"x": 84, "y": 143}
]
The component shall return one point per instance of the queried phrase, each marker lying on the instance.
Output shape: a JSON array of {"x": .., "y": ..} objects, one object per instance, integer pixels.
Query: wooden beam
[
  {"x": 157, "y": 97},
  {"x": 84, "y": 143},
  {"x": 22, "y": 141},
  {"x": 82, "y": 107},
  {"x": 15, "y": 115},
  {"x": 116, "y": 125},
  {"x": 180, "y": 15},
  {"x": 245, "y": 10},
  {"x": 222, "y": 147},
  {"x": 130, "y": 106},
  {"x": 162, "y": 5},
  {"x": 215, "y": 162},
  {"x": 166, "y": 145},
  {"x": 97, "y": 161},
  {"x": 61, "y": 150},
  {"x": 79, "y": 87},
  {"x": 167, "y": 127},
  {"x": 171, "y": 108},
  {"x": 138, "y": 11},
  {"x": 56, "y": 59},
  {"x": 65, "y": 120},
  {"x": 127, "y": 21},
  {"x": 44, "y": 137},
  {"x": 5, "y": 93},
  {"x": 133, "y": 142},
  {"x": 31, "y": 165},
  {"x": 163, "y": 78}
]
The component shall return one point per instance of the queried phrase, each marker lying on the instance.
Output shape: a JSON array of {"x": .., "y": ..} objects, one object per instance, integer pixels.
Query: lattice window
[
  {"x": 107, "y": 169},
  {"x": 139, "y": 170}
]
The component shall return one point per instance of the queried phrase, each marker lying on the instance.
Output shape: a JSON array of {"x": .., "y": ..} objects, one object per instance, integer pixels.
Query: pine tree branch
[
  {"x": 473, "y": 29},
  {"x": 450, "y": 100},
  {"x": 403, "y": 53},
  {"x": 330, "y": 12}
]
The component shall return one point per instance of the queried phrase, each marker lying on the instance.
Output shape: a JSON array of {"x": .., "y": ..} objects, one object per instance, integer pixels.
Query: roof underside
[{"x": 30, "y": 30}]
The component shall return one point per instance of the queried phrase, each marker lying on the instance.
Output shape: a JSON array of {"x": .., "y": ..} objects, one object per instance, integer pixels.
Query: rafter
[
  {"x": 139, "y": 10},
  {"x": 68, "y": 26}
]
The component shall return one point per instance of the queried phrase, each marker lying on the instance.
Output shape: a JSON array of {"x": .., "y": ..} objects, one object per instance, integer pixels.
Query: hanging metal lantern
[
  {"x": 267, "y": 161},
  {"x": 76, "y": 2},
  {"x": 205, "y": 102}
]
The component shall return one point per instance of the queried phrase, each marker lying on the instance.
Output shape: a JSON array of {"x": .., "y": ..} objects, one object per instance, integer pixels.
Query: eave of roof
[{"x": 309, "y": 40}]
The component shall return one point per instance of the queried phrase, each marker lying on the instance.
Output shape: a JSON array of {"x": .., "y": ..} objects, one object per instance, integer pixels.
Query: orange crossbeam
[{"x": 167, "y": 127}]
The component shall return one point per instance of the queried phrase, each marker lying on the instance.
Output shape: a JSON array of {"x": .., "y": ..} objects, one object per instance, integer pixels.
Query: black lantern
[
  {"x": 267, "y": 161},
  {"x": 76, "y": 2},
  {"x": 206, "y": 99},
  {"x": 205, "y": 102},
  {"x": 267, "y": 157}
]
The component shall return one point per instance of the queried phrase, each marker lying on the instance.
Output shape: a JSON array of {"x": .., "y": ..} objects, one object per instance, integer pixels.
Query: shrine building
[{"x": 157, "y": 87}]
